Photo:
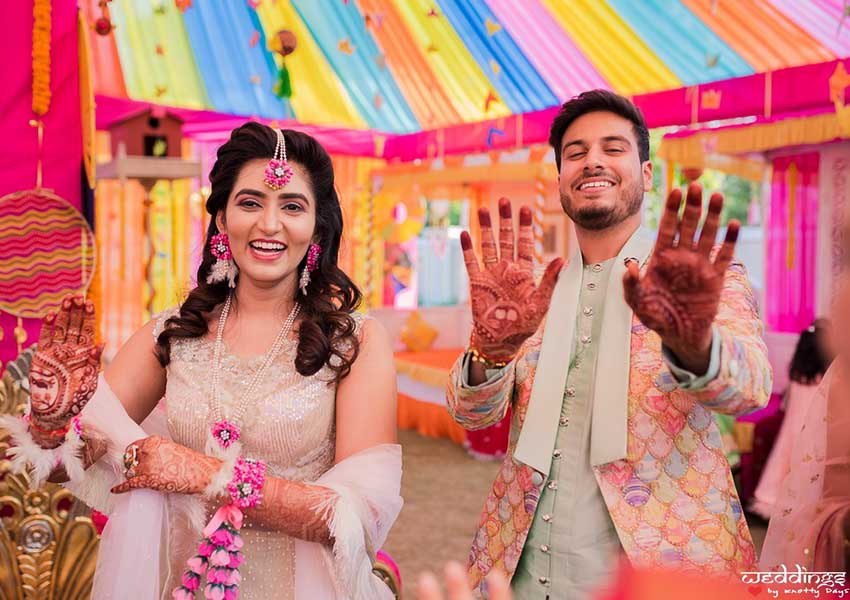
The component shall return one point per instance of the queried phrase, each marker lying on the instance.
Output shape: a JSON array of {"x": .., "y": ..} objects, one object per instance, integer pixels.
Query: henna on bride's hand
[
  {"x": 169, "y": 467},
  {"x": 64, "y": 371}
]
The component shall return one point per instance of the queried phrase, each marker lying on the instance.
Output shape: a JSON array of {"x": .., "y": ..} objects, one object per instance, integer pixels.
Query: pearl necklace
[{"x": 226, "y": 431}]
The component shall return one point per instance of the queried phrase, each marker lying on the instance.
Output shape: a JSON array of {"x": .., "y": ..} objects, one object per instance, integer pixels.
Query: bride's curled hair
[{"x": 327, "y": 333}]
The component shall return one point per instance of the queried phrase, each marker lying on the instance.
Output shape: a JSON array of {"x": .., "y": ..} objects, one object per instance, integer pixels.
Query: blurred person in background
[
  {"x": 811, "y": 519},
  {"x": 811, "y": 359}
]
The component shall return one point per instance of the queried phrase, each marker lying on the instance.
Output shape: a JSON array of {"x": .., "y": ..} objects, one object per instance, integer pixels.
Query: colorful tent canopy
[{"x": 401, "y": 66}]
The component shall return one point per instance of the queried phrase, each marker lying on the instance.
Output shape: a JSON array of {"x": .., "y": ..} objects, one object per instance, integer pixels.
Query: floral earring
[
  {"x": 224, "y": 267},
  {"x": 312, "y": 264}
]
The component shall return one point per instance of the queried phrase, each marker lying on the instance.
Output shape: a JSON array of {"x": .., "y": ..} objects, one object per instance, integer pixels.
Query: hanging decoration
[
  {"x": 491, "y": 135},
  {"x": 103, "y": 25},
  {"x": 345, "y": 46},
  {"x": 47, "y": 251},
  {"x": 399, "y": 217},
  {"x": 537, "y": 219},
  {"x": 489, "y": 100},
  {"x": 791, "y": 176},
  {"x": 41, "y": 57},
  {"x": 285, "y": 44},
  {"x": 492, "y": 27}
]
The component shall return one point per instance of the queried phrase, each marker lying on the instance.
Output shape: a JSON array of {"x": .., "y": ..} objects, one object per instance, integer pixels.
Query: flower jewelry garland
[
  {"x": 41, "y": 56},
  {"x": 219, "y": 552},
  {"x": 219, "y": 555}
]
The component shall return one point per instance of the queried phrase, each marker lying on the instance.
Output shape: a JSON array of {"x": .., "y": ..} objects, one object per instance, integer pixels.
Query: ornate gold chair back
[{"x": 48, "y": 544}]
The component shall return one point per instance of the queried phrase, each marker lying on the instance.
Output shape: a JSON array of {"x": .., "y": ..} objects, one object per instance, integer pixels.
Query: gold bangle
[{"x": 486, "y": 362}]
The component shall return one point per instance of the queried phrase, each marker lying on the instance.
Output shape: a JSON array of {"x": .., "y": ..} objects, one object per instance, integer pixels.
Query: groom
[{"x": 612, "y": 367}]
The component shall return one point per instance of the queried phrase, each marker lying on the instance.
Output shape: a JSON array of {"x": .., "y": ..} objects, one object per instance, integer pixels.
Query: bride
[{"x": 278, "y": 419}]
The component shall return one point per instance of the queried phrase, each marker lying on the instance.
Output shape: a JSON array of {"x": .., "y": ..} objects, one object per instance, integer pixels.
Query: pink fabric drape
[
  {"x": 792, "y": 243},
  {"x": 63, "y": 149}
]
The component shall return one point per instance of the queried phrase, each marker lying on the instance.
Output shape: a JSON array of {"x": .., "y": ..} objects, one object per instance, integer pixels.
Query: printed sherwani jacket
[{"x": 657, "y": 453}]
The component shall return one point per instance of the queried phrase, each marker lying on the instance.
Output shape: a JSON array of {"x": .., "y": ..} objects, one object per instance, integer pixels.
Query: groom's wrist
[{"x": 695, "y": 357}]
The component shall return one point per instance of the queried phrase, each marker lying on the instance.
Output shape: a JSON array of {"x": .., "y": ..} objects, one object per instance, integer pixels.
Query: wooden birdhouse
[{"x": 152, "y": 132}]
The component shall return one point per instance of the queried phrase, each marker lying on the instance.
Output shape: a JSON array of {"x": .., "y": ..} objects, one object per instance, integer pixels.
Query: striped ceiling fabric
[{"x": 403, "y": 66}]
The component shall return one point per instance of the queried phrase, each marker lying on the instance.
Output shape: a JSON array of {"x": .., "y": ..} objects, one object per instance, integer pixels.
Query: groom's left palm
[{"x": 679, "y": 293}]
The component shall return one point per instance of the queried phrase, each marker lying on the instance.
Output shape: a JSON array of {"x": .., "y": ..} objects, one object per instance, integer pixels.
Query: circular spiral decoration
[{"x": 47, "y": 251}]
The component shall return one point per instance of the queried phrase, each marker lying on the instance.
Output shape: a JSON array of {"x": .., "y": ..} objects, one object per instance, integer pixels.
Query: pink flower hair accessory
[{"x": 278, "y": 172}]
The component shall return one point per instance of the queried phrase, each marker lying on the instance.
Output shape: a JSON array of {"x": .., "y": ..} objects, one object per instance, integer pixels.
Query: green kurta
[{"x": 572, "y": 545}]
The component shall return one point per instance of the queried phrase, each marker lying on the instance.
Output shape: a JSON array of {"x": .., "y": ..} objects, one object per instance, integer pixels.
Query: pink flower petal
[
  {"x": 220, "y": 558},
  {"x": 214, "y": 592}
]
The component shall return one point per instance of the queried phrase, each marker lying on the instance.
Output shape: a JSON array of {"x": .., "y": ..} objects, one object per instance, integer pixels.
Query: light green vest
[{"x": 572, "y": 545}]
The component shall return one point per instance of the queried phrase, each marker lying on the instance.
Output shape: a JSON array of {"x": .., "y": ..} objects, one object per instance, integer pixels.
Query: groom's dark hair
[{"x": 597, "y": 101}]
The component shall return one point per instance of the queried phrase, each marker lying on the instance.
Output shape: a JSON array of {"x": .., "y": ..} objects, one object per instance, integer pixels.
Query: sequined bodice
[{"x": 289, "y": 424}]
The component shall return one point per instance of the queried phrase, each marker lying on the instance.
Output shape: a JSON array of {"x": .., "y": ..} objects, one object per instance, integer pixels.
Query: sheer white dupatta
[{"x": 132, "y": 560}]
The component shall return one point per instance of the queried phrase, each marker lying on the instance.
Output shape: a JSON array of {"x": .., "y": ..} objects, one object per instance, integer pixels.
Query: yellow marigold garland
[{"x": 41, "y": 56}]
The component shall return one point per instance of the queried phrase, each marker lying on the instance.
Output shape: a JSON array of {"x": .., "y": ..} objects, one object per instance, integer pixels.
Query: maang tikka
[{"x": 278, "y": 172}]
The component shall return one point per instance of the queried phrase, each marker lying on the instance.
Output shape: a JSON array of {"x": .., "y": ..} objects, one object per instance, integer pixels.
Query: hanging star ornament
[
  {"x": 845, "y": 12},
  {"x": 254, "y": 3},
  {"x": 491, "y": 134},
  {"x": 345, "y": 47},
  {"x": 489, "y": 100},
  {"x": 492, "y": 27},
  {"x": 183, "y": 5},
  {"x": 160, "y": 50},
  {"x": 374, "y": 20},
  {"x": 433, "y": 12},
  {"x": 379, "y": 142}
]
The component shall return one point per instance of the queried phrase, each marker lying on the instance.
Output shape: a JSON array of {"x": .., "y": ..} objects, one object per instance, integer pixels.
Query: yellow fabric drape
[
  {"x": 462, "y": 78},
  {"x": 791, "y": 177},
  {"x": 318, "y": 96},
  {"x": 630, "y": 66},
  {"x": 722, "y": 148}
]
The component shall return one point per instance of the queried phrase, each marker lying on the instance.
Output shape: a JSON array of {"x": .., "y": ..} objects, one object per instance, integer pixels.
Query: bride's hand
[
  {"x": 458, "y": 587},
  {"x": 63, "y": 376},
  {"x": 159, "y": 464}
]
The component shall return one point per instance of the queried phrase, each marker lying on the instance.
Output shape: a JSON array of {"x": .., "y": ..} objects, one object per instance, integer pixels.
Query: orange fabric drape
[{"x": 106, "y": 65}]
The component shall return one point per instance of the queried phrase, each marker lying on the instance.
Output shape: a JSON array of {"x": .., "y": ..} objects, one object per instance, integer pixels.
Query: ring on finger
[{"x": 131, "y": 460}]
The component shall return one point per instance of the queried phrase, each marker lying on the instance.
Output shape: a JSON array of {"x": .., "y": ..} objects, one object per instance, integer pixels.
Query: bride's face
[{"x": 269, "y": 231}]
